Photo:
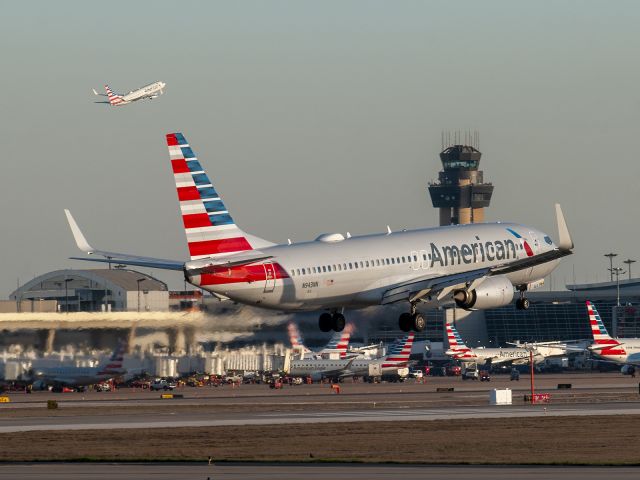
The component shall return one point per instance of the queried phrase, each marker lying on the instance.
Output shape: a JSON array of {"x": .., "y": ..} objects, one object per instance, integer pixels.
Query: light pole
[
  {"x": 628, "y": 261},
  {"x": 66, "y": 294},
  {"x": 611, "y": 255},
  {"x": 140, "y": 280},
  {"x": 618, "y": 271}
]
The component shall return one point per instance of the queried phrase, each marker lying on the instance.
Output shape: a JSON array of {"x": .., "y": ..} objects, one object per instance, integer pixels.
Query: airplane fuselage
[
  {"x": 148, "y": 91},
  {"x": 627, "y": 353},
  {"x": 356, "y": 272}
]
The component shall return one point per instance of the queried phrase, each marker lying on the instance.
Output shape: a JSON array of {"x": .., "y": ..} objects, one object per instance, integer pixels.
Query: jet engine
[{"x": 491, "y": 293}]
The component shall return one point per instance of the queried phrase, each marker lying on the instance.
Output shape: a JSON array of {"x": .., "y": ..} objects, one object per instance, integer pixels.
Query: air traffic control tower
[{"x": 460, "y": 192}]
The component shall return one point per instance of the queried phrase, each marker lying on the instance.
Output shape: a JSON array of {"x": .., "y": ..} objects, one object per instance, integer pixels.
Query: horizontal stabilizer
[{"x": 114, "y": 257}]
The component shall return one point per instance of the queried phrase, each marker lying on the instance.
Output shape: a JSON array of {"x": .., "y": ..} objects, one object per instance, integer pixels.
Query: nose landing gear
[
  {"x": 523, "y": 302},
  {"x": 328, "y": 321}
]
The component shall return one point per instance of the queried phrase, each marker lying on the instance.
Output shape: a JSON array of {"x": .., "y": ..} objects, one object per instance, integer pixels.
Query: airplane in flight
[
  {"x": 475, "y": 266},
  {"x": 318, "y": 369},
  {"x": 625, "y": 351},
  {"x": 337, "y": 346},
  {"x": 82, "y": 376},
  {"x": 458, "y": 350},
  {"x": 151, "y": 91}
]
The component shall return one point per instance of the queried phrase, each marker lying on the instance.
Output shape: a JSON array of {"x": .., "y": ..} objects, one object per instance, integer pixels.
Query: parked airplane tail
[
  {"x": 297, "y": 343},
  {"x": 208, "y": 225},
  {"x": 601, "y": 338},
  {"x": 456, "y": 343},
  {"x": 115, "y": 363},
  {"x": 114, "y": 99},
  {"x": 399, "y": 352},
  {"x": 340, "y": 341}
]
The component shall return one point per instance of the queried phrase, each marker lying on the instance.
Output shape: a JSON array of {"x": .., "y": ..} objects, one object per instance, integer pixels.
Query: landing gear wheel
[
  {"x": 405, "y": 322},
  {"x": 325, "y": 322},
  {"x": 338, "y": 322},
  {"x": 523, "y": 303},
  {"x": 419, "y": 323}
]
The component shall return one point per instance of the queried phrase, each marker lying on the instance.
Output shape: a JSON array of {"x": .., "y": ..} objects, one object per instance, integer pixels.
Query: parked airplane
[
  {"x": 625, "y": 351},
  {"x": 458, "y": 350},
  {"x": 475, "y": 266},
  {"x": 81, "y": 376},
  {"x": 151, "y": 91},
  {"x": 318, "y": 369},
  {"x": 337, "y": 346}
]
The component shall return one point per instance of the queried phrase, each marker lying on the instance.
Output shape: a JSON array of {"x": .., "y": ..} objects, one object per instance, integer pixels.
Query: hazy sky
[{"x": 315, "y": 117}]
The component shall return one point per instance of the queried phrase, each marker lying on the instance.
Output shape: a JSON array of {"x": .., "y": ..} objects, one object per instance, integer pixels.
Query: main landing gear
[
  {"x": 328, "y": 321},
  {"x": 412, "y": 321},
  {"x": 523, "y": 302}
]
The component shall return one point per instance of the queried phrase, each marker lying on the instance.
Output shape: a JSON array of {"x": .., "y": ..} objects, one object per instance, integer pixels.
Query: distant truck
[{"x": 162, "y": 384}]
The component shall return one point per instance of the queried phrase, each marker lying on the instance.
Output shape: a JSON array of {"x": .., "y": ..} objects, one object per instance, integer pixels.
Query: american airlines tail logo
[
  {"x": 601, "y": 336},
  {"x": 399, "y": 353}
]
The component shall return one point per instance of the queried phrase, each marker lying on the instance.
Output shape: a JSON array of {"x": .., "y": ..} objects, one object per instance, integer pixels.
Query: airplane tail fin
[
  {"x": 340, "y": 341},
  {"x": 115, "y": 363},
  {"x": 455, "y": 340},
  {"x": 114, "y": 99},
  {"x": 297, "y": 343},
  {"x": 399, "y": 352},
  {"x": 208, "y": 225},
  {"x": 598, "y": 330}
]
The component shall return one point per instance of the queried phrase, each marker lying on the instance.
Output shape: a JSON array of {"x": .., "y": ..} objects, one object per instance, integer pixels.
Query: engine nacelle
[{"x": 491, "y": 293}]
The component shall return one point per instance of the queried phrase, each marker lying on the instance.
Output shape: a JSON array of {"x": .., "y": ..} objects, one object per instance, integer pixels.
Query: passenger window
[
  {"x": 350, "y": 266},
  {"x": 314, "y": 269},
  {"x": 403, "y": 260},
  {"x": 377, "y": 262},
  {"x": 344, "y": 266},
  {"x": 356, "y": 264},
  {"x": 324, "y": 268},
  {"x": 424, "y": 256},
  {"x": 415, "y": 258},
  {"x": 367, "y": 263},
  {"x": 303, "y": 272},
  {"x": 361, "y": 264}
]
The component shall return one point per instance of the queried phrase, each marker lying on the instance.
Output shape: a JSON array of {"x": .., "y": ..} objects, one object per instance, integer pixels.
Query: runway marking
[{"x": 325, "y": 417}]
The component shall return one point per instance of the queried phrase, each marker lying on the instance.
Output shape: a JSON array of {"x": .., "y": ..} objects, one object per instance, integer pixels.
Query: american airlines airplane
[
  {"x": 81, "y": 376},
  {"x": 625, "y": 351},
  {"x": 474, "y": 266},
  {"x": 318, "y": 369},
  {"x": 151, "y": 91},
  {"x": 458, "y": 350}
]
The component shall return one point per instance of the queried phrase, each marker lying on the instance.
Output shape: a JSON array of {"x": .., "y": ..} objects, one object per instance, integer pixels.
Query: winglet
[
  {"x": 564, "y": 237},
  {"x": 77, "y": 234},
  {"x": 94, "y": 92}
]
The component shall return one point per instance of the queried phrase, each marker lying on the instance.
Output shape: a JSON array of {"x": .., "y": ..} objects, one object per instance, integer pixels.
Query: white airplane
[
  {"x": 151, "y": 91},
  {"x": 81, "y": 376},
  {"x": 318, "y": 369},
  {"x": 337, "y": 346},
  {"x": 458, "y": 350},
  {"x": 625, "y": 351},
  {"x": 475, "y": 266}
]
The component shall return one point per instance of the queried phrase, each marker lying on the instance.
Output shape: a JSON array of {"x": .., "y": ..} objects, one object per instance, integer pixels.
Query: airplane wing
[
  {"x": 99, "y": 94},
  {"x": 114, "y": 257}
]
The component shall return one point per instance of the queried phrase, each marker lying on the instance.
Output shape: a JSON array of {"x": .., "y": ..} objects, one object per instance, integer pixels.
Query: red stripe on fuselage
[
  {"x": 225, "y": 245},
  {"x": 239, "y": 274}
]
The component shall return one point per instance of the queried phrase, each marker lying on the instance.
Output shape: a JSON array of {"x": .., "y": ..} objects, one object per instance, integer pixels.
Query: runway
[
  {"x": 199, "y": 419},
  {"x": 171, "y": 471}
]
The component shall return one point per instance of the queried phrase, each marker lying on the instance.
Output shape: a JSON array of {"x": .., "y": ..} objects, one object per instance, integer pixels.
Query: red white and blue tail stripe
[
  {"x": 115, "y": 364},
  {"x": 457, "y": 348},
  {"x": 399, "y": 352},
  {"x": 208, "y": 225},
  {"x": 295, "y": 337},
  {"x": 606, "y": 345},
  {"x": 339, "y": 342},
  {"x": 114, "y": 99}
]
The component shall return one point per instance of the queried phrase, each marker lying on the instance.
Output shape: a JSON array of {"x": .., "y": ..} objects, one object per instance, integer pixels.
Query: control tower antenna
[{"x": 460, "y": 192}]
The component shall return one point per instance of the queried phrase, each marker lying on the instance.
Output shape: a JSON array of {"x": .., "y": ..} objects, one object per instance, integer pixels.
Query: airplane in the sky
[
  {"x": 337, "y": 346},
  {"x": 458, "y": 350},
  {"x": 475, "y": 266},
  {"x": 318, "y": 369},
  {"x": 82, "y": 376},
  {"x": 625, "y": 351},
  {"x": 151, "y": 91}
]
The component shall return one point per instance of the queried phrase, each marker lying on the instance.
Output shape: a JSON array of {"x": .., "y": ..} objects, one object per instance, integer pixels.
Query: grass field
[{"x": 554, "y": 440}]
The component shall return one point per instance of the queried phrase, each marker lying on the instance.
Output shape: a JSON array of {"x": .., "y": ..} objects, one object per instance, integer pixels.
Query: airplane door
[{"x": 270, "y": 277}]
